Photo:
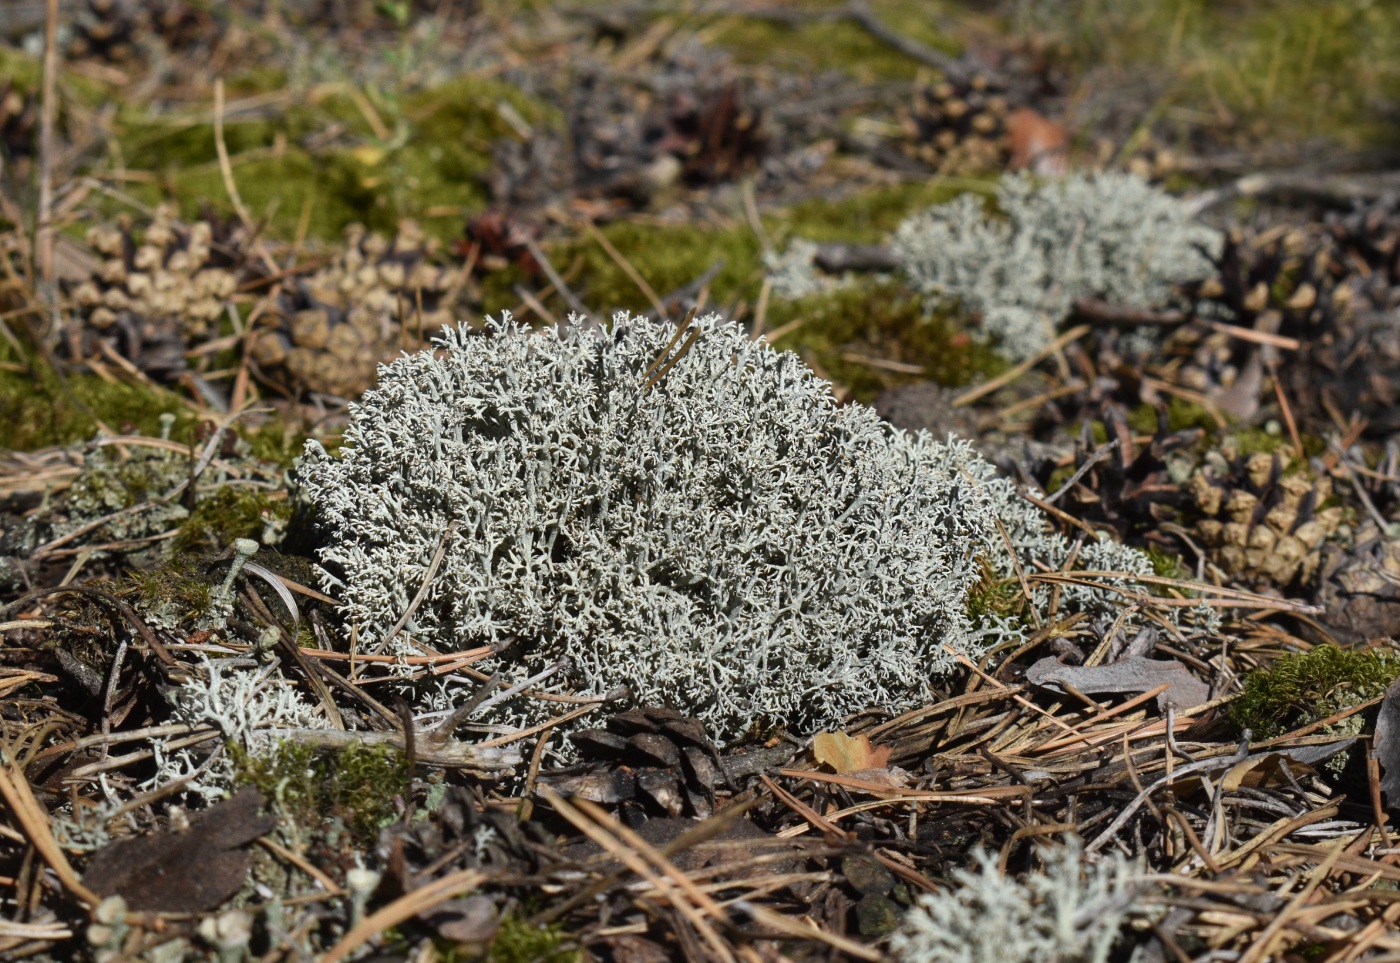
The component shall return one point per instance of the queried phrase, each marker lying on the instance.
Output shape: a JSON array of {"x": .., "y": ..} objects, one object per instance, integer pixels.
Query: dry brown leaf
[
  {"x": 190, "y": 871},
  {"x": 848, "y": 754},
  {"x": 1266, "y": 771}
]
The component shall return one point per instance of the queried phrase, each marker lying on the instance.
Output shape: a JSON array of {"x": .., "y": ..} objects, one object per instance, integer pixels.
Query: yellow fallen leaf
[{"x": 848, "y": 754}]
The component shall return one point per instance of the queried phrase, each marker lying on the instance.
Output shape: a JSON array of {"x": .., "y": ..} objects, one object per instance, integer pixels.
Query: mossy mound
[{"x": 1297, "y": 690}]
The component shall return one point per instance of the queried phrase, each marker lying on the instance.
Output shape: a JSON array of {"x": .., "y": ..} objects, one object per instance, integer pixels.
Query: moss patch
[
  {"x": 227, "y": 514},
  {"x": 992, "y": 596},
  {"x": 817, "y": 43},
  {"x": 518, "y": 941},
  {"x": 668, "y": 258},
  {"x": 1295, "y": 68},
  {"x": 275, "y": 441},
  {"x": 176, "y": 594},
  {"x": 1247, "y": 440},
  {"x": 851, "y": 331},
  {"x": 429, "y": 167},
  {"x": 351, "y": 788},
  {"x": 1301, "y": 689},
  {"x": 869, "y": 216},
  {"x": 41, "y": 409}
]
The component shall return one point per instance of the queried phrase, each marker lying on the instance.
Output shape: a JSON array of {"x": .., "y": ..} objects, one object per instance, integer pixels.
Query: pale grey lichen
[
  {"x": 794, "y": 273},
  {"x": 1108, "y": 235},
  {"x": 108, "y": 484},
  {"x": 1067, "y": 913},
  {"x": 718, "y": 534},
  {"x": 243, "y": 702}
]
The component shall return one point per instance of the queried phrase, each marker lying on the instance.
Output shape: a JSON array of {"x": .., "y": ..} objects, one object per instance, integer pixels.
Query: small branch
[
  {"x": 692, "y": 291},
  {"x": 225, "y": 167},
  {"x": 48, "y": 111},
  {"x": 987, "y": 387},
  {"x": 571, "y": 299},
  {"x": 406, "y": 907},
  {"x": 839, "y": 258},
  {"x": 431, "y": 748},
  {"x": 422, "y": 593},
  {"x": 1124, "y": 315},
  {"x": 1337, "y": 190},
  {"x": 1099, "y": 455},
  {"x": 626, "y": 265},
  {"x": 952, "y": 67}
]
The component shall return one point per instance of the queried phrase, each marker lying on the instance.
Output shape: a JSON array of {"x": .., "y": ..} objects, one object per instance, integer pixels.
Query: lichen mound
[
  {"x": 1107, "y": 235},
  {"x": 1069, "y": 913},
  {"x": 693, "y": 518}
]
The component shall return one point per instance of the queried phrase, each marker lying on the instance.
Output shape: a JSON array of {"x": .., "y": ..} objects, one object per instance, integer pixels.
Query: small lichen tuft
[
  {"x": 1110, "y": 236},
  {"x": 1069, "y": 913}
]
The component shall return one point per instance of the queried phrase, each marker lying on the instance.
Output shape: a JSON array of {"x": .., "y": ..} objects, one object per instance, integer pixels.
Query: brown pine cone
[{"x": 651, "y": 760}]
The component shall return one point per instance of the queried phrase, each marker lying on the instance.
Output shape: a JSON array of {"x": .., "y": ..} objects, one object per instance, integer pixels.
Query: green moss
[
  {"x": 429, "y": 168},
  {"x": 668, "y": 258},
  {"x": 868, "y": 216},
  {"x": 1143, "y": 420},
  {"x": 518, "y": 941},
  {"x": 168, "y": 147},
  {"x": 26, "y": 73},
  {"x": 227, "y": 514},
  {"x": 175, "y": 594},
  {"x": 20, "y": 69},
  {"x": 1183, "y": 415},
  {"x": 1166, "y": 564},
  {"x": 1301, "y": 689},
  {"x": 994, "y": 596},
  {"x": 880, "y": 320},
  {"x": 275, "y": 441},
  {"x": 329, "y": 183},
  {"x": 42, "y": 409},
  {"x": 1246, "y": 440},
  {"x": 815, "y": 44},
  {"x": 1294, "y": 69},
  {"x": 317, "y": 789}
]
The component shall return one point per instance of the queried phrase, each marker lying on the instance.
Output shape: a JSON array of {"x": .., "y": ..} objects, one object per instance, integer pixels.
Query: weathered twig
[
  {"x": 48, "y": 112},
  {"x": 953, "y": 67},
  {"x": 431, "y": 748},
  {"x": 571, "y": 299},
  {"x": 1106, "y": 312}
]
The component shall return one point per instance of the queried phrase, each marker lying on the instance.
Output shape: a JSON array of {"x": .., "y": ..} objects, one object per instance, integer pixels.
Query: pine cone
[
  {"x": 153, "y": 296},
  {"x": 1263, "y": 526},
  {"x": 19, "y": 119},
  {"x": 106, "y": 30},
  {"x": 652, "y": 761},
  {"x": 1361, "y": 586},
  {"x": 340, "y": 323},
  {"x": 1333, "y": 286},
  {"x": 959, "y": 125}
]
